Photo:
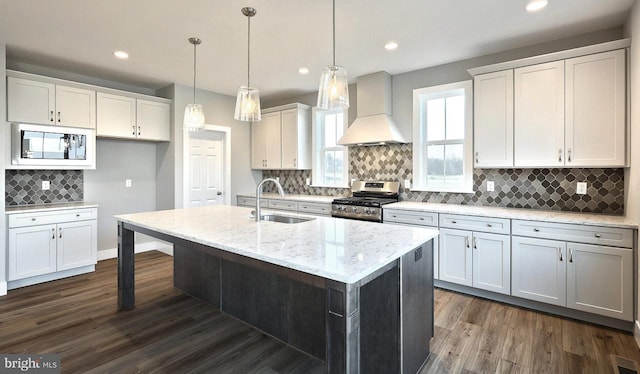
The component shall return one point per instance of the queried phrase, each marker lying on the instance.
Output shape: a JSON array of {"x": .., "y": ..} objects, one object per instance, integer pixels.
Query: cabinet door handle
[
  {"x": 477, "y": 157},
  {"x": 475, "y": 244},
  {"x": 138, "y": 130},
  {"x": 569, "y": 155},
  {"x": 52, "y": 120},
  {"x": 59, "y": 117},
  {"x": 454, "y": 221},
  {"x": 597, "y": 235},
  {"x": 560, "y": 155},
  {"x": 60, "y": 232},
  {"x": 489, "y": 225},
  {"x": 570, "y": 255},
  {"x": 560, "y": 252},
  {"x": 466, "y": 241},
  {"x": 134, "y": 130},
  {"x": 53, "y": 233},
  {"x": 421, "y": 218},
  {"x": 295, "y": 163},
  {"x": 536, "y": 230}
]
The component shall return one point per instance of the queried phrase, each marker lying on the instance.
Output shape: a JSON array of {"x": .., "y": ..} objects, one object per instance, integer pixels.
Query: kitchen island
[{"x": 357, "y": 295}]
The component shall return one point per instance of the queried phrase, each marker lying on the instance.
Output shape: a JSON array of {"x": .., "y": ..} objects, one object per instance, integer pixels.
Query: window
[
  {"x": 442, "y": 146},
  {"x": 330, "y": 160}
]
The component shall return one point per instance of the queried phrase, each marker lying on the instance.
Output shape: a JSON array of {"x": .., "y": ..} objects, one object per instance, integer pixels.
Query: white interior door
[{"x": 206, "y": 169}]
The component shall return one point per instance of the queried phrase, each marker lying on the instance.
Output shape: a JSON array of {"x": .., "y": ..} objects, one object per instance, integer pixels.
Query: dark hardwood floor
[{"x": 170, "y": 332}]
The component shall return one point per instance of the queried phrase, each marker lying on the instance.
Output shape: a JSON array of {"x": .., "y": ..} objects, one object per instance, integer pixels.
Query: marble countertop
[
  {"x": 333, "y": 248},
  {"x": 592, "y": 219},
  {"x": 13, "y": 209},
  {"x": 305, "y": 198}
]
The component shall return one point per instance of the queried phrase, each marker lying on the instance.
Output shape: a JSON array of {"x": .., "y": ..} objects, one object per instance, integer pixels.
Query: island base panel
[{"x": 126, "y": 269}]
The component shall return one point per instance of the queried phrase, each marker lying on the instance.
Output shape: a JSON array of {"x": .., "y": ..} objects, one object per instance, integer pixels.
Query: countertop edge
[{"x": 16, "y": 209}]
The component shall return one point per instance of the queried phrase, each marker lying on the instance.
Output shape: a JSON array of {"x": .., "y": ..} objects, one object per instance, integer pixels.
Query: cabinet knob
[
  {"x": 421, "y": 218},
  {"x": 77, "y": 214},
  {"x": 597, "y": 235},
  {"x": 489, "y": 225},
  {"x": 454, "y": 221},
  {"x": 33, "y": 219}
]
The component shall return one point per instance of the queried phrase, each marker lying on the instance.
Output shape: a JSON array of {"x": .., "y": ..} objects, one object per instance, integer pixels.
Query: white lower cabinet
[
  {"x": 539, "y": 272},
  {"x": 475, "y": 259},
  {"x": 591, "y": 278},
  {"x": 417, "y": 218},
  {"x": 50, "y": 242}
]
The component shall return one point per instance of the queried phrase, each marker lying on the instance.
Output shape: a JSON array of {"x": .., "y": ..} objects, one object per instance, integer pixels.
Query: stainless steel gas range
[{"x": 366, "y": 201}]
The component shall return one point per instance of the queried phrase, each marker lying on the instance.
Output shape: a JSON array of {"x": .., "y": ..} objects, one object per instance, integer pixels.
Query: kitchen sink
[{"x": 284, "y": 219}]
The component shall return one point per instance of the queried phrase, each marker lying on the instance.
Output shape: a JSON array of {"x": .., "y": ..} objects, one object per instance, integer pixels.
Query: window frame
[
  {"x": 318, "y": 148},
  {"x": 420, "y": 141}
]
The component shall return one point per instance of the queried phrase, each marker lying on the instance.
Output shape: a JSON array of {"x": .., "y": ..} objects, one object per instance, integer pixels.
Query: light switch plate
[
  {"x": 581, "y": 188},
  {"x": 46, "y": 185},
  {"x": 491, "y": 186},
  {"x": 127, "y": 182},
  {"x": 308, "y": 181}
]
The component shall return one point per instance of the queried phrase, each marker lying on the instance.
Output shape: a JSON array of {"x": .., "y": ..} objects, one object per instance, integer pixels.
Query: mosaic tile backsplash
[
  {"x": 24, "y": 187},
  {"x": 549, "y": 189}
]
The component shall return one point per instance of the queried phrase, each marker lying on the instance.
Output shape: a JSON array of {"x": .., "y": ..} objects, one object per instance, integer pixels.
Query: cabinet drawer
[
  {"x": 54, "y": 216},
  {"x": 315, "y": 208},
  {"x": 610, "y": 236},
  {"x": 410, "y": 217},
  {"x": 484, "y": 224},
  {"x": 283, "y": 205}
]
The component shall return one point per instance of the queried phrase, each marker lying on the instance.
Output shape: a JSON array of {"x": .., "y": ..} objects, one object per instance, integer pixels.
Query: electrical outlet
[
  {"x": 46, "y": 185},
  {"x": 581, "y": 188},
  {"x": 127, "y": 183},
  {"x": 491, "y": 186},
  {"x": 308, "y": 181},
  {"x": 407, "y": 183}
]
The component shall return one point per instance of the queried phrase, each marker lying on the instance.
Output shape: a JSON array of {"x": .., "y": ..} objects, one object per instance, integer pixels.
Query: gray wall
[
  {"x": 4, "y": 138},
  {"x": 632, "y": 174},
  {"x": 117, "y": 160},
  {"x": 218, "y": 110}
]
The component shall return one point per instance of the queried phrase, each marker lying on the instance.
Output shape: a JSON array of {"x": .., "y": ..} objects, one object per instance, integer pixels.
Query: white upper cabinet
[
  {"x": 30, "y": 101},
  {"x": 493, "y": 120},
  {"x": 595, "y": 110},
  {"x": 266, "y": 142},
  {"x": 282, "y": 140},
  {"x": 153, "y": 120},
  {"x": 539, "y": 115},
  {"x": 116, "y": 116},
  {"x": 130, "y": 118}
]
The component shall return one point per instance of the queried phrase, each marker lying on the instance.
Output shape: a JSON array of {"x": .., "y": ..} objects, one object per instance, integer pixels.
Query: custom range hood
[{"x": 374, "y": 124}]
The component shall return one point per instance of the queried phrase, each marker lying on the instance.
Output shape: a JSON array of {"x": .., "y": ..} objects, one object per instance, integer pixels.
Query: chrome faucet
[{"x": 259, "y": 191}]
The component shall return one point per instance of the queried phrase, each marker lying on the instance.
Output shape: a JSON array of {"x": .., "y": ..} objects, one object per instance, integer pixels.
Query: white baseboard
[
  {"x": 141, "y": 247},
  {"x": 3, "y": 288},
  {"x": 636, "y": 332},
  {"x": 49, "y": 277}
]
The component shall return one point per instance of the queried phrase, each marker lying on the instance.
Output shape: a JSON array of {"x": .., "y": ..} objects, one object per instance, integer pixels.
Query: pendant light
[
  {"x": 248, "y": 101},
  {"x": 334, "y": 85},
  {"x": 194, "y": 113}
]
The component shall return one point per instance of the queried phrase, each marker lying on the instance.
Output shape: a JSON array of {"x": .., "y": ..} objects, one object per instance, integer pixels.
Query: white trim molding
[{"x": 163, "y": 247}]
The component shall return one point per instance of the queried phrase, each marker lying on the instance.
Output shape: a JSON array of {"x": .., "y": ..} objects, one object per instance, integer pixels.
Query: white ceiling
[{"x": 80, "y": 36}]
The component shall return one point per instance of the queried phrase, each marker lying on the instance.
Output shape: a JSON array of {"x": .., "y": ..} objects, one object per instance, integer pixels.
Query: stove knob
[
  {"x": 354, "y": 209},
  {"x": 367, "y": 211},
  {"x": 342, "y": 208}
]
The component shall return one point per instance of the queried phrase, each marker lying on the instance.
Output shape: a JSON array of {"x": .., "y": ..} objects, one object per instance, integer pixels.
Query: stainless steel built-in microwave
[{"x": 38, "y": 145}]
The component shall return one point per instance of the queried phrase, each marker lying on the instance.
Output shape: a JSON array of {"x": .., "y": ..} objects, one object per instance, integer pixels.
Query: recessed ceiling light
[
  {"x": 121, "y": 55},
  {"x": 536, "y": 5},
  {"x": 390, "y": 46},
  {"x": 303, "y": 71}
]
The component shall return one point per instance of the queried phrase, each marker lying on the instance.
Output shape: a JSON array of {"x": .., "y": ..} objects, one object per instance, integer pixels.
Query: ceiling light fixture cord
[
  {"x": 334, "y": 32},
  {"x": 248, "y": 51},
  {"x": 194, "y": 72}
]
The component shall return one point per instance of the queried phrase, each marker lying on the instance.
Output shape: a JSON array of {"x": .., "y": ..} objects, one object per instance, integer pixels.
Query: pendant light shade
[
  {"x": 334, "y": 88},
  {"x": 333, "y": 92},
  {"x": 248, "y": 101},
  {"x": 193, "y": 113}
]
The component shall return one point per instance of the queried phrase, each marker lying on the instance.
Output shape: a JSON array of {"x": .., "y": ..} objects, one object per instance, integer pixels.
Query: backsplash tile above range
[
  {"x": 549, "y": 189},
  {"x": 24, "y": 187}
]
